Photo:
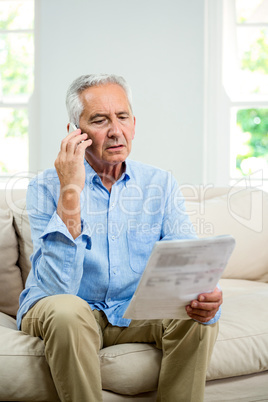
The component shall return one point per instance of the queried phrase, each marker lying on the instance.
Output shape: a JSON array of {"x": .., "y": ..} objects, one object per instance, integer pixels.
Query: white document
[{"x": 176, "y": 273}]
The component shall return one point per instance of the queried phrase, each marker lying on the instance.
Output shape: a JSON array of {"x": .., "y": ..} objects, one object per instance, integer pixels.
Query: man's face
[{"x": 108, "y": 121}]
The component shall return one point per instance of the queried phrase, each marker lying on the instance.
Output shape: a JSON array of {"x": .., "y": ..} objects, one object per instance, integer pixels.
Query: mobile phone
[{"x": 72, "y": 127}]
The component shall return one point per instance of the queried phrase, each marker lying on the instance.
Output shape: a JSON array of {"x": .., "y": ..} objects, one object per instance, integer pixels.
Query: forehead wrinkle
[{"x": 104, "y": 104}]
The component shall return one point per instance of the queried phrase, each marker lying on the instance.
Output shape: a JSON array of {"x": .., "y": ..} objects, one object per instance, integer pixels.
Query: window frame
[
  {"x": 219, "y": 101},
  {"x": 24, "y": 103}
]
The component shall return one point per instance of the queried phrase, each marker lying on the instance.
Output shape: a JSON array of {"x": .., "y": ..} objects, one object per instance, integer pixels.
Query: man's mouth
[{"x": 116, "y": 146}]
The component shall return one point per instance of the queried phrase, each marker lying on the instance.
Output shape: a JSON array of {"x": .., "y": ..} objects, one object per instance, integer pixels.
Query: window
[
  {"x": 236, "y": 92},
  {"x": 16, "y": 83},
  {"x": 249, "y": 98}
]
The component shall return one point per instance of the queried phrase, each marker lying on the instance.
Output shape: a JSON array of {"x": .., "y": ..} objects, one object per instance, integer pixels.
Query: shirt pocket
[{"x": 140, "y": 246}]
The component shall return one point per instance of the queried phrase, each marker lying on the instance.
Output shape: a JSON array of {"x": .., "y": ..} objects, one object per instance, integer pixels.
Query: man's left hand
[{"x": 205, "y": 307}]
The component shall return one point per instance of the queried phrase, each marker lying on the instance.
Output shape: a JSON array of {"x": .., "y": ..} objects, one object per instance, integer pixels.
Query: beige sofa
[{"x": 239, "y": 365}]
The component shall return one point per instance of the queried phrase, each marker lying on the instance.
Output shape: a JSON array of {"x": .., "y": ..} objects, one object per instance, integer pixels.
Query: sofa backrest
[
  {"x": 12, "y": 276},
  {"x": 240, "y": 212},
  {"x": 15, "y": 201}
]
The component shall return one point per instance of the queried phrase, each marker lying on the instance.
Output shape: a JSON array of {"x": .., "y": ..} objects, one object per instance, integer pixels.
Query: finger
[
  {"x": 68, "y": 137},
  {"x": 208, "y": 306},
  {"x": 202, "y": 312},
  {"x": 72, "y": 134},
  {"x": 216, "y": 295},
  {"x": 73, "y": 143},
  {"x": 83, "y": 145},
  {"x": 201, "y": 315},
  {"x": 201, "y": 319}
]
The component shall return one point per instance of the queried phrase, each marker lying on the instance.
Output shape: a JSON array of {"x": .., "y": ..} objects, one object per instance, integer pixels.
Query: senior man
[{"x": 94, "y": 220}]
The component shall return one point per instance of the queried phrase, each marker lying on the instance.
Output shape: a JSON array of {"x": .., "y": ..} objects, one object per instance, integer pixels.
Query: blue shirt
[{"x": 104, "y": 264}]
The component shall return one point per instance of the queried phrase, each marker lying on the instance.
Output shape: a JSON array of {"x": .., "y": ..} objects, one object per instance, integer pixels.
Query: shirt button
[
  {"x": 88, "y": 246},
  {"x": 113, "y": 237}
]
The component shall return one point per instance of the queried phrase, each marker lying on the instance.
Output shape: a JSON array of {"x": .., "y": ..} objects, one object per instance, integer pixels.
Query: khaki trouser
[{"x": 73, "y": 335}]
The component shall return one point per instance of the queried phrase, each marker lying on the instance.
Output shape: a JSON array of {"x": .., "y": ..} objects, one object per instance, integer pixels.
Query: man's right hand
[
  {"x": 71, "y": 171},
  {"x": 70, "y": 160}
]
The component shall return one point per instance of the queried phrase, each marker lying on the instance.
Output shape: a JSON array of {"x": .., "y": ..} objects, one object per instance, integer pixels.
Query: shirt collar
[{"x": 92, "y": 177}]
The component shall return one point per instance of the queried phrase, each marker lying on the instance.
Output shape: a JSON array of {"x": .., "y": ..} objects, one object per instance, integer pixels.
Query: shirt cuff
[
  {"x": 57, "y": 225},
  {"x": 214, "y": 319}
]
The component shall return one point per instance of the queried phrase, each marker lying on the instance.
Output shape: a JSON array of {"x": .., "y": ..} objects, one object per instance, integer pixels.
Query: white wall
[{"x": 158, "y": 46}]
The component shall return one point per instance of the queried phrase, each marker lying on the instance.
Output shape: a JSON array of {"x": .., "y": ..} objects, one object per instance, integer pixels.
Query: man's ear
[{"x": 134, "y": 121}]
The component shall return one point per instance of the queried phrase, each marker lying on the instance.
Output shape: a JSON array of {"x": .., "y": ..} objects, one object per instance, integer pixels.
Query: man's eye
[{"x": 98, "y": 121}]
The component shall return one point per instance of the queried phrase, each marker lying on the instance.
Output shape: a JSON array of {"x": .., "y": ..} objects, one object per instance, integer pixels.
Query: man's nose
[{"x": 114, "y": 129}]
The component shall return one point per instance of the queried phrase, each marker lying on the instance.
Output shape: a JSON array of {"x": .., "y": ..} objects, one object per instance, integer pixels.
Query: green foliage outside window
[
  {"x": 16, "y": 64},
  {"x": 18, "y": 125},
  {"x": 16, "y": 80},
  {"x": 255, "y": 121},
  {"x": 16, "y": 56},
  {"x": 256, "y": 58}
]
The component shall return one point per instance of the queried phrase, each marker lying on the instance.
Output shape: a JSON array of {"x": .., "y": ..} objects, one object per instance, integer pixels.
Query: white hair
[{"x": 73, "y": 102}]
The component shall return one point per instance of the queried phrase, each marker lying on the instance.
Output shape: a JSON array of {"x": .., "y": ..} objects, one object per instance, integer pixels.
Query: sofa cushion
[
  {"x": 22, "y": 357},
  {"x": 243, "y": 214},
  {"x": 242, "y": 344},
  {"x": 10, "y": 274},
  {"x": 24, "y": 372},
  {"x": 23, "y": 231},
  {"x": 138, "y": 361},
  {"x": 241, "y": 349}
]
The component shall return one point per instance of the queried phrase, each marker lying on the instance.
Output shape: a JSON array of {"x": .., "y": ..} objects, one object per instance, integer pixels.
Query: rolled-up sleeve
[{"x": 57, "y": 259}]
